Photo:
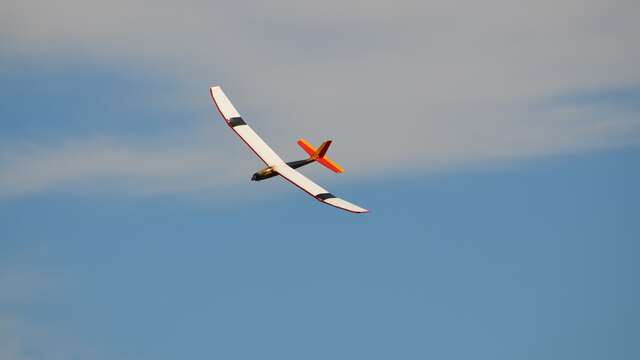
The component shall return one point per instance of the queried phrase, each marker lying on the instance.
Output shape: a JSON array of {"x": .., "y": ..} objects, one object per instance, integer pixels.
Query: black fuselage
[{"x": 269, "y": 172}]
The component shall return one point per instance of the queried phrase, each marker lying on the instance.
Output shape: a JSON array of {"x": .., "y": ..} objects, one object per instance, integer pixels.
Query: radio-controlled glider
[{"x": 277, "y": 166}]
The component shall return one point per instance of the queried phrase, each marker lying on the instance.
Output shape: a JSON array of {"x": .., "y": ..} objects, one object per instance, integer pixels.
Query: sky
[{"x": 496, "y": 144}]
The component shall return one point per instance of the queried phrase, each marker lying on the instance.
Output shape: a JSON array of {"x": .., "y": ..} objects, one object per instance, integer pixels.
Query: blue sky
[{"x": 501, "y": 171}]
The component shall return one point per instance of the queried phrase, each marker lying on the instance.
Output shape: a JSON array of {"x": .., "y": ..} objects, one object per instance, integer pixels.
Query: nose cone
[{"x": 254, "y": 177}]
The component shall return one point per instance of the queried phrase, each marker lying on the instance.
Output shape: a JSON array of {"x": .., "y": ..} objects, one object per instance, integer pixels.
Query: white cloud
[{"x": 403, "y": 84}]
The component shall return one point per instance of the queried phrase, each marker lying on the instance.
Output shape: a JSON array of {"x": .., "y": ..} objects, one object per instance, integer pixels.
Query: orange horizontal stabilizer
[
  {"x": 306, "y": 146},
  {"x": 320, "y": 156},
  {"x": 331, "y": 164}
]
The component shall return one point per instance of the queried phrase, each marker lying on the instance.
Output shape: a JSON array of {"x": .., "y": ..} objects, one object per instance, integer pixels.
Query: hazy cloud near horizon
[{"x": 398, "y": 85}]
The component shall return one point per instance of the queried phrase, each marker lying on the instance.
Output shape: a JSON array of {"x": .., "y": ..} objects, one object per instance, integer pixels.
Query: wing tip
[
  {"x": 344, "y": 205},
  {"x": 362, "y": 211},
  {"x": 365, "y": 211},
  {"x": 212, "y": 89}
]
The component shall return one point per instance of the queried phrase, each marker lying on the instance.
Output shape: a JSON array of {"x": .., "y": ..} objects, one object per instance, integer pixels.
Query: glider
[{"x": 277, "y": 166}]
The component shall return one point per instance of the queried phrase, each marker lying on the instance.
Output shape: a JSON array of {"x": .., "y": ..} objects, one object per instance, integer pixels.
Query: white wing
[
  {"x": 264, "y": 152},
  {"x": 315, "y": 190},
  {"x": 246, "y": 133}
]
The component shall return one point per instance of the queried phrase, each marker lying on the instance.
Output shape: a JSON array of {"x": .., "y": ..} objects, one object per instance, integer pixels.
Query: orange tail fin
[
  {"x": 319, "y": 154},
  {"x": 322, "y": 150}
]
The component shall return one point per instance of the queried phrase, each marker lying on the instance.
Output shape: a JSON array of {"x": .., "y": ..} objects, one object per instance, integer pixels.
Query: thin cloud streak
[{"x": 145, "y": 168}]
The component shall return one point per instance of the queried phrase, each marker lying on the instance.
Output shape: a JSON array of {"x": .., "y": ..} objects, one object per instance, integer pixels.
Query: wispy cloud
[
  {"x": 142, "y": 167},
  {"x": 22, "y": 338},
  {"x": 411, "y": 85}
]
